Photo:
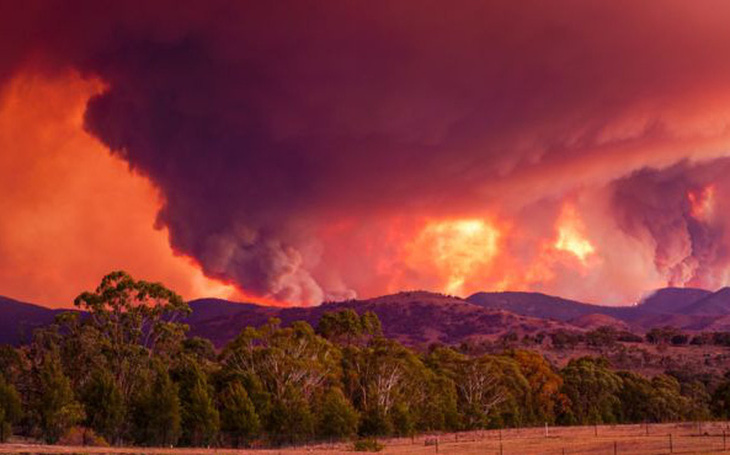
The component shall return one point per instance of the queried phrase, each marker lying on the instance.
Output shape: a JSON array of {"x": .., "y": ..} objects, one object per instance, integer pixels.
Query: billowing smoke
[
  {"x": 271, "y": 128},
  {"x": 676, "y": 210}
]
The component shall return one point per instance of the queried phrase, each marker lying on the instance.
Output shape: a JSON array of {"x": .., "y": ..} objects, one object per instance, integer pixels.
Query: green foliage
[
  {"x": 200, "y": 418},
  {"x": 636, "y": 396},
  {"x": 602, "y": 337},
  {"x": 10, "y": 409},
  {"x": 238, "y": 415},
  {"x": 337, "y": 417},
  {"x": 348, "y": 327},
  {"x": 139, "y": 380},
  {"x": 666, "y": 335},
  {"x": 157, "y": 416},
  {"x": 291, "y": 419},
  {"x": 10, "y": 363},
  {"x": 486, "y": 386},
  {"x": 57, "y": 408},
  {"x": 592, "y": 389},
  {"x": 104, "y": 405},
  {"x": 721, "y": 399}
]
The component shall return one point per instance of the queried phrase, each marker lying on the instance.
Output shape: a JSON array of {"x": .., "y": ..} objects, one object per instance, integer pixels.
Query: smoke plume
[{"x": 298, "y": 145}]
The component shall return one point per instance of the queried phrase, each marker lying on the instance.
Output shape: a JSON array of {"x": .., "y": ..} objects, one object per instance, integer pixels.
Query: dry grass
[{"x": 629, "y": 439}]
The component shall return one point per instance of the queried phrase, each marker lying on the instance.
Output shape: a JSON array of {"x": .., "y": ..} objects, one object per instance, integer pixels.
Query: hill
[
  {"x": 713, "y": 304},
  {"x": 414, "y": 318},
  {"x": 540, "y": 305},
  {"x": 686, "y": 308},
  {"x": 595, "y": 320},
  {"x": 672, "y": 300},
  {"x": 18, "y": 319},
  {"x": 419, "y": 318}
]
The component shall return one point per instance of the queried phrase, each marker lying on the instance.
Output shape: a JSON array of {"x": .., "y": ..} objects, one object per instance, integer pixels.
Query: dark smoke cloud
[
  {"x": 264, "y": 122},
  {"x": 690, "y": 248}
]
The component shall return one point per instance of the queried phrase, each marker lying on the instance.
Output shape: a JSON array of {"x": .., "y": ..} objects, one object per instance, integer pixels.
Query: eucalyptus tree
[{"x": 291, "y": 365}]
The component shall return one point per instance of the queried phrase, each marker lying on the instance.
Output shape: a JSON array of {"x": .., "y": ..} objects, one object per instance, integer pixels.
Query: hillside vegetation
[{"x": 127, "y": 374}]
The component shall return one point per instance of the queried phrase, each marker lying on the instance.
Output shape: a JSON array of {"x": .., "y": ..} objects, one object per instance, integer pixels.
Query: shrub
[
  {"x": 367, "y": 445},
  {"x": 80, "y": 436}
]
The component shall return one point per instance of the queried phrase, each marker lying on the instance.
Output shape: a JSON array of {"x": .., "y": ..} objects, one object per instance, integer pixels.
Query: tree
[
  {"x": 104, "y": 405},
  {"x": 10, "y": 409},
  {"x": 157, "y": 412},
  {"x": 636, "y": 395},
  {"x": 379, "y": 376},
  {"x": 592, "y": 389},
  {"x": 200, "y": 418},
  {"x": 238, "y": 415},
  {"x": 282, "y": 358},
  {"x": 668, "y": 405},
  {"x": 347, "y": 327},
  {"x": 721, "y": 399},
  {"x": 133, "y": 321},
  {"x": 664, "y": 335},
  {"x": 336, "y": 417},
  {"x": 291, "y": 419},
  {"x": 698, "y": 400},
  {"x": 602, "y": 337},
  {"x": 58, "y": 409},
  {"x": 544, "y": 384},
  {"x": 10, "y": 363},
  {"x": 479, "y": 382}
]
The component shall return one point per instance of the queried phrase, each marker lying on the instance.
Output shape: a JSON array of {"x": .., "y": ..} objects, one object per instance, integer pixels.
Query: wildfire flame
[
  {"x": 458, "y": 249},
  {"x": 571, "y": 235},
  {"x": 702, "y": 202}
]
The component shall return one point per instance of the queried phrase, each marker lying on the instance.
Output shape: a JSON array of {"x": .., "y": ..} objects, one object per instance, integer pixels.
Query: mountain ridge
[{"x": 421, "y": 317}]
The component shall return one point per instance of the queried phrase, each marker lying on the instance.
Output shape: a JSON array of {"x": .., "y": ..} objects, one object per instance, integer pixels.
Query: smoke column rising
[{"x": 302, "y": 149}]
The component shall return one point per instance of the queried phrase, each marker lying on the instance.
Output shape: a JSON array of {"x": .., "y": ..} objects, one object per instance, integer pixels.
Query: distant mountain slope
[
  {"x": 419, "y": 318},
  {"x": 713, "y": 304},
  {"x": 18, "y": 319},
  {"x": 672, "y": 300},
  {"x": 540, "y": 305},
  {"x": 686, "y": 308},
  {"x": 207, "y": 309},
  {"x": 595, "y": 320},
  {"x": 414, "y": 318}
]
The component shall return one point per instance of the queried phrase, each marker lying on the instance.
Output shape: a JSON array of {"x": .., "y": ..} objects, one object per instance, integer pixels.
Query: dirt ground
[{"x": 688, "y": 438}]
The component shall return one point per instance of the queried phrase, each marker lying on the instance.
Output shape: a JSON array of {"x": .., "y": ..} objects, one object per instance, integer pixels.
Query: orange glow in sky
[
  {"x": 571, "y": 236},
  {"x": 70, "y": 212},
  {"x": 458, "y": 250}
]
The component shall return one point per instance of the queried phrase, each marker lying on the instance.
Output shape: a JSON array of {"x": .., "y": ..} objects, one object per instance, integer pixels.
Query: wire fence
[
  {"x": 643, "y": 439},
  {"x": 704, "y": 438}
]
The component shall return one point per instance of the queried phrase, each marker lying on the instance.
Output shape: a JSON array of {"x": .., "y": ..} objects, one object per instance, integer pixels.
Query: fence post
[
  {"x": 500, "y": 449},
  {"x": 546, "y": 430},
  {"x": 615, "y": 448},
  {"x": 595, "y": 429},
  {"x": 724, "y": 440},
  {"x": 437, "y": 445},
  {"x": 671, "y": 446}
]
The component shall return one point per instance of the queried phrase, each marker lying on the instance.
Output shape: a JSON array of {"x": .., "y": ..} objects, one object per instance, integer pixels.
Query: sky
[{"x": 297, "y": 152}]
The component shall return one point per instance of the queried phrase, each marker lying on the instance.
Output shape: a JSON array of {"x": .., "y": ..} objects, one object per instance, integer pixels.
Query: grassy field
[{"x": 688, "y": 438}]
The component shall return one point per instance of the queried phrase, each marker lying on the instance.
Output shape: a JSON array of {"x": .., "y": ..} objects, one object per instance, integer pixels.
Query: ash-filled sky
[{"x": 293, "y": 152}]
